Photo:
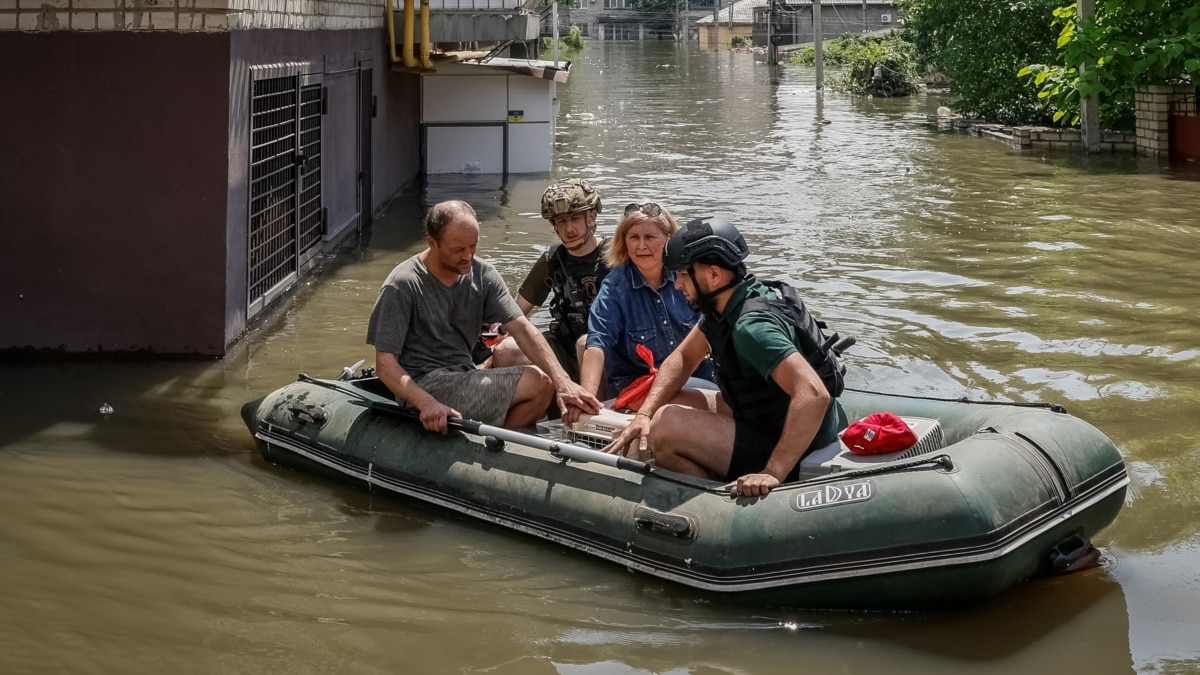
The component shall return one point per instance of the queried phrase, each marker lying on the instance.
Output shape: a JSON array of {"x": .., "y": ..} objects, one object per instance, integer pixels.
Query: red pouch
[
  {"x": 878, "y": 433},
  {"x": 633, "y": 396}
]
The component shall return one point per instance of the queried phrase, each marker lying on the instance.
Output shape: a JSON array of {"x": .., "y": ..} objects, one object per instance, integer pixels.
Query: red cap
[{"x": 878, "y": 433}]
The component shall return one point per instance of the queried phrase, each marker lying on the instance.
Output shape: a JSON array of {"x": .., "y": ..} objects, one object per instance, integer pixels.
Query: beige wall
[{"x": 724, "y": 34}]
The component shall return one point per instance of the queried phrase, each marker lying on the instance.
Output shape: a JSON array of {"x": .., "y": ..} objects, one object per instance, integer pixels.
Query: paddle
[{"x": 480, "y": 429}]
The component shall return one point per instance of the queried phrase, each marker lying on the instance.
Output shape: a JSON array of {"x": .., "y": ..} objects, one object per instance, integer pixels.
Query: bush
[
  {"x": 740, "y": 41},
  {"x": 889, "y": 56},
  {"x": 571, "y": 42}
]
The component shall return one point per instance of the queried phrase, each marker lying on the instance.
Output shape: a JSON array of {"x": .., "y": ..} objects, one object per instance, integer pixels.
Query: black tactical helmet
[
  {"x": 712, "y": 240},
  {"x": 569, "y": 195}
]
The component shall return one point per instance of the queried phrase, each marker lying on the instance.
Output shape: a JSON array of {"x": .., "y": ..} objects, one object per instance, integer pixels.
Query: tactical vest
[
  {"x": 756, "y": 400},
  {"x": 575, "y": 283}
]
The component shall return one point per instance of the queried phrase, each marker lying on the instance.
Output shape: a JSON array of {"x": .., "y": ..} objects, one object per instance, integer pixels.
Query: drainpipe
[
  {"x": 406, "y": 55},
  {"x": 391, "y": 26},
  {"x": 407, "y": 47},
  {"x": 425, "y": 62}
]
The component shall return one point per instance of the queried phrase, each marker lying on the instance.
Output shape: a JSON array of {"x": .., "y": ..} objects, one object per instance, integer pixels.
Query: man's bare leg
[
  {"x": 506, "y": 353},
  {"x": 692, "y": 441},
  {"x": 530, "y": 400}
]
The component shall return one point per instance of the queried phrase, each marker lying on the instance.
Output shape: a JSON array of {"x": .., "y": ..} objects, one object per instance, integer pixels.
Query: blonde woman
[{"x": 637, "y": 304}]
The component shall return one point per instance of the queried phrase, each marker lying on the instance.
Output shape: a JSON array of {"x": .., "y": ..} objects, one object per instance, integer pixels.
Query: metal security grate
[
  {"x": 285, "y": 210},
  {"x": 310, "y": 215},
  {"x": 272, "y": 183}
]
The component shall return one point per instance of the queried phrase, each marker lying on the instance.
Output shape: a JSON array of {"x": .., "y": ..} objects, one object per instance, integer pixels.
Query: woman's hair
[
  {"x": 635, "y": 214},
  {"x": 445, "y": 213}
]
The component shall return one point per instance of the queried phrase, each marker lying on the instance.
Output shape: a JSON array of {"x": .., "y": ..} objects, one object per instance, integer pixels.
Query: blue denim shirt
[{"x": 628, "y": 312}]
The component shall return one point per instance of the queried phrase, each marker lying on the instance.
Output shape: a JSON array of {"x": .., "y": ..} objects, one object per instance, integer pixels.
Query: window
[{"x": 622, "y": 31}]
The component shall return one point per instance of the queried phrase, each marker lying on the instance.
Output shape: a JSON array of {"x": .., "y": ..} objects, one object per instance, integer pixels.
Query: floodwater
[{"x": 155, "y": 540}]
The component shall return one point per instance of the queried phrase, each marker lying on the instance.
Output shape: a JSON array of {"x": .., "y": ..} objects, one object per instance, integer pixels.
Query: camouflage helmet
[{"x": 569, "y": 195}]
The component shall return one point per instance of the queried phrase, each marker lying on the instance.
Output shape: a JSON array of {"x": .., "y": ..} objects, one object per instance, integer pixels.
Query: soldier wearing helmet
[
  {"x": 777, "y": 370},
  {"x": 569, "y": 274}
]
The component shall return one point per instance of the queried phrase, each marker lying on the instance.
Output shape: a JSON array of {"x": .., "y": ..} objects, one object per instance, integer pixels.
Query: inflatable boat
[{"x": 990, "y": 495}]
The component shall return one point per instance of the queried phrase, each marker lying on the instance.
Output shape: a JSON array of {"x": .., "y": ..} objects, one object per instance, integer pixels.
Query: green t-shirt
[{"x": 762, "y": 340}]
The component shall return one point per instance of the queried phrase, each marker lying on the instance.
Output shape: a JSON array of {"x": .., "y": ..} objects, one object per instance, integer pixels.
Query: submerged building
[{"x": 168, "y": 168}]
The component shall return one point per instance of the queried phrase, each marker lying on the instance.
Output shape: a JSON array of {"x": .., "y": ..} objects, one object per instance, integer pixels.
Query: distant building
[
  {"x": 736, "y": 20},
  {"x": 618, "y": 20},
  {"x": 794, "y": 19}
]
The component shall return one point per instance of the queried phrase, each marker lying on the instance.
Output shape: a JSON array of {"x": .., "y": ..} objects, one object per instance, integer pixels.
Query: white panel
[
  {"x": 529, "y": 147},
  {"x": 464, "y": 98},
  {"x": 531, "y": 95},
  {"x": 466, "y": 150}
]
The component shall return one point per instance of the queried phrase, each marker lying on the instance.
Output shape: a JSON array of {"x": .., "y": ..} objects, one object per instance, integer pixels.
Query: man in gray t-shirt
[{"x": 426, "y": 321}]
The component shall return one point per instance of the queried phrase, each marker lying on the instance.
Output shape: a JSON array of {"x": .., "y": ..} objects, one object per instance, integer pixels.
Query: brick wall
[
  {"x": 1153, "y": 116},
  {"x": 1068, "y": 140},
  {"x": 189, "y": 15}
]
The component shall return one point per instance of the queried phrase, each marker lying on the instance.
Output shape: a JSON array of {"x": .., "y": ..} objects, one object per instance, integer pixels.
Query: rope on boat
[{"x": 1052, "y": 407}]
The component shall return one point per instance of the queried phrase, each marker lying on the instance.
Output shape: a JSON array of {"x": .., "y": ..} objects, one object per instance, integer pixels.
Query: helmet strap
[{"x": 706, "y": 302}]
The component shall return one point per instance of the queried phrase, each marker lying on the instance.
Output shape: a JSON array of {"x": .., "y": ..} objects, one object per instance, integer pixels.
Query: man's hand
[
  {"x": 753, "y": 485},
  {"x": 573, "y": 400},
  {"x": 434, "y": 416},
  {"x": 635, "y": 435}
]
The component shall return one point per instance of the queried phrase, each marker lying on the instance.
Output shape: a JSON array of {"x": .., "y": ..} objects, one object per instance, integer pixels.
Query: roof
[{"x": 743, "y": 11}]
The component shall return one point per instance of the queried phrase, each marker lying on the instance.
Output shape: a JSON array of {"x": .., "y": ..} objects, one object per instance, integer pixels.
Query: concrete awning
[{"x": 544, "y": 70}]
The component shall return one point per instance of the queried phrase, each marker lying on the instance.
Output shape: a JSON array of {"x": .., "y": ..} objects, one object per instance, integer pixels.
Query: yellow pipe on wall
[
  {"x": 425, "y": 63},
  {"x": 407, "y": 48},
  {"x": 391, "y": 26}
]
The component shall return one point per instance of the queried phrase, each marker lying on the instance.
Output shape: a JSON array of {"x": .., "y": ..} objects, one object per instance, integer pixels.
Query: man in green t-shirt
[
  {"x": 572, "y": 270},
  {"x": 779, "y": 378}
]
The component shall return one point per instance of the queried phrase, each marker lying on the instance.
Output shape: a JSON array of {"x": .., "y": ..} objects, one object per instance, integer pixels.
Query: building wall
[
  {"x": 339, "y": 56},
  {"x": 189, "y": 15},
  {"x": 113, "y": 190},
  {"x": 604, "y": 19},
  {"x": 795, "y": 26},
  {"x": 724, "y": 34},
  {"x": 123, "y": 176}
]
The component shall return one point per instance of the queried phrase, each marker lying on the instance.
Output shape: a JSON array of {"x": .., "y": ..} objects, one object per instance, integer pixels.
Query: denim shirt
[{"x": 628, "y": 312}]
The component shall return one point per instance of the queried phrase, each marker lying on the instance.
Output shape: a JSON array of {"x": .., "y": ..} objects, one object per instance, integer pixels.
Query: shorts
[
  {"x": 752, "y": 448},
  {"x": 481, "y": 395}
]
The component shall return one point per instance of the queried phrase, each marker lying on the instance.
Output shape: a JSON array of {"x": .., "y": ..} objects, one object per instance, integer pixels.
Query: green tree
[
  {"x": 980, "y": 45},
  {"x": 571, "y": 42},
  {"x": 1126, "y": 43}
]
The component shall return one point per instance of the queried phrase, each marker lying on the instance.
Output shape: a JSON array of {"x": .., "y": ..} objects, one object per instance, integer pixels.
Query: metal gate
[
  {"x": 285, "y": 214},
  {"x": 1183, "y": 129}
]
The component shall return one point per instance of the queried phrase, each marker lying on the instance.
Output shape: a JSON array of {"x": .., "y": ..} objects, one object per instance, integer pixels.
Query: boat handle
[
  {"x": 1068, "y": 552},
  {"x": 308, "y": 412},
  {"x": 664, "y": 523}
]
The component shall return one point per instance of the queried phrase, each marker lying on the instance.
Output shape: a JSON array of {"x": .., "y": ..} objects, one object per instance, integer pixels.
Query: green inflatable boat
[{"x": 992, "y": 494}]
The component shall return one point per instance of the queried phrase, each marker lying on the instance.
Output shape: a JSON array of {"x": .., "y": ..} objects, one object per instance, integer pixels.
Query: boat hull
[{"x": 954, "y": 526}]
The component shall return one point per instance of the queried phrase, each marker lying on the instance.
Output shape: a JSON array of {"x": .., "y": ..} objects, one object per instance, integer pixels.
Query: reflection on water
[{"x": 155, "y": 539}]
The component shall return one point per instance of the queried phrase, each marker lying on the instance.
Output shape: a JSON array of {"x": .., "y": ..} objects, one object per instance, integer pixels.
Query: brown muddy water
[{"x": 155, "y": 540}]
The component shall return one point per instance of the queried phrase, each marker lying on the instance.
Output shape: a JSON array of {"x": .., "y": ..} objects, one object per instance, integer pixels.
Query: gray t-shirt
[{"x": 429, "y": 325}]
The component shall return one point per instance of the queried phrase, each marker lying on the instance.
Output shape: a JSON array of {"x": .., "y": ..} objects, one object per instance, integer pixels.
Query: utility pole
[
  {"x": 772, "y": 56},
  {"x": 818, "y": 44},
  {"x": 554, "y": 32},
  {"x": 1089, "y": 108}
]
